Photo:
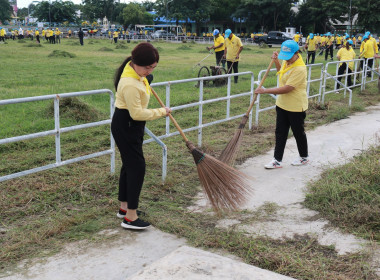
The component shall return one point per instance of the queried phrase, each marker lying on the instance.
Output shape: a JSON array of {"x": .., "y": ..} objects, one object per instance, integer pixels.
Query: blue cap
[
  {"x": 365, "y": 37},
  {"x": 347, "y": 36},
  {"x": 368, "y": 33},
  {"x": 311, "y": 35},
  {"x": 216, "y": 32},
  {"x": 350, "y": 42},
  {"x": 288, "y": 49},
  {"x": 297, "y": 32},
  {"x": 227, "y": 33}
]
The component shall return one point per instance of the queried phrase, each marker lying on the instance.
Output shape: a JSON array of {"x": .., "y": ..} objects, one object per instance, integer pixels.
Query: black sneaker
[
  {"x": 137, "y": 224},
  {"x": 121, "y": 214}
]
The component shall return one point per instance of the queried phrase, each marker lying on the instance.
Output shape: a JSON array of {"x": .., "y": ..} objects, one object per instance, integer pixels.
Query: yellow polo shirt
[
  {"x": 296, "y": 100},
  {"x": 232, "y": 45},
  {"x": 217, "y": 42},
  {"x": 311, "y": 44},
  {"x": 132, "y": 95},
  {"x": 345, "y": 54},
  {"x": 368, "y": 51}
]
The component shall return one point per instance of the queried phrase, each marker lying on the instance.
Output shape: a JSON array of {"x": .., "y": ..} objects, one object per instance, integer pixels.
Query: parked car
[
  {"x": 162, "y": 34},
  {"x": 273, "y": 37}
]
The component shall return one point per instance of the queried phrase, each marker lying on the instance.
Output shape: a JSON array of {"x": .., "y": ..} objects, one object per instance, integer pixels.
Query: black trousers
[
  {"x": 235, "y": 67},
  {"x": 38, "y": 38},
  {"x": 329, "y": 50},
  {"x": 81, "y": 40},
  {"x": 2, "y": 38},
  {"x": 312, "y": 54},
  {"x": 295, "y": 121},
  {"x": 128, "y": 135},
  {"x": 219, "y": 58},
  {"x": 341, "y": 71},
  {"x": 369, "y": 62}
]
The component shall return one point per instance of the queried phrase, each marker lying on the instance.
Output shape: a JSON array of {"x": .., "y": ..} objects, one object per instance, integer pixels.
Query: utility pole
[{"x": 349, "y": 19}]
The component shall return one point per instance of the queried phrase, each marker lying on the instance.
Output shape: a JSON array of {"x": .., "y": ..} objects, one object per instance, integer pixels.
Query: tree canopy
[{"x": 5, "y": 10}]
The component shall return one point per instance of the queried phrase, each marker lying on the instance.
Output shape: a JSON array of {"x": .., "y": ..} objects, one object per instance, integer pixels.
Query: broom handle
[
  {"x": 170, "y": 116},
  {"x": 260, "y": 85}
]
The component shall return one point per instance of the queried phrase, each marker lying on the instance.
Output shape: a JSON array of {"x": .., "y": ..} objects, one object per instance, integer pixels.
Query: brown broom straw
[
  {"x": 229, "y": 153},
  {"x": 226, "y": 188}
]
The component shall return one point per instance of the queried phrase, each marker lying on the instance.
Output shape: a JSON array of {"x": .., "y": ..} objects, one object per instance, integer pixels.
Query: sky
[{"x": 26, "y": 3}]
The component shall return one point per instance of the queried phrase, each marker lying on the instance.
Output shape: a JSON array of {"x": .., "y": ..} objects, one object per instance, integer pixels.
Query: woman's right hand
[
  {"x": 168, "y": 111},
  {"x": 275, "y": 55}
]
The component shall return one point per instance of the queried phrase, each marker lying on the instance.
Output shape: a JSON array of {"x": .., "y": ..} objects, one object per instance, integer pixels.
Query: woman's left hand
[
  {"x": 168, "y": 111},
  {"x": 259, "y": 90}
]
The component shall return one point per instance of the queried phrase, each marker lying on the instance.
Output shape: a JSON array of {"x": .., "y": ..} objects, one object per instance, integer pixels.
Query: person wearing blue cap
[
  {"x": 368, "y": 53},
  {"x": 218, "y": 47},
  {"x": 37, "y": 33},
  {"x": 329, "y": 43},
  {"x": 346, "y": 53},
  {"x": 291, "y": 103},
  {"x": 2, "y": 34},
  {"x": 232, "y": 52},
  {"x": 311, "y": 46}
]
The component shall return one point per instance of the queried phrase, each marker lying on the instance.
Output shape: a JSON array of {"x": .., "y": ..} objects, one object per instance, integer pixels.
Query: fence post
[{"x": 57, "y": 130}]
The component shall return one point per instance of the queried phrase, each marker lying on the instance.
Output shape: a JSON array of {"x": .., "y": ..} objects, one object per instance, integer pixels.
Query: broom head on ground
[{"x": 225, "y": 187}]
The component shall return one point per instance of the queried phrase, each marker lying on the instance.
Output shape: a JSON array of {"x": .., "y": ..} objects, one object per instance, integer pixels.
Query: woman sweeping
[
  {"x": 128, "y": 122},
  {"x": 346, "y": 53},
  {"x": 291, "y": 103}
]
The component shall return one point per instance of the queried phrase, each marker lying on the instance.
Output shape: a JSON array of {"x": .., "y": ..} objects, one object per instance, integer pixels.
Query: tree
[
  {"x": 98, "y": 9},
  {"x": 368, "y": 15},
  {"x": 133, "y": 14},
  {"x": 5, "y": 10},
  {"x": 57, "y": 11}
]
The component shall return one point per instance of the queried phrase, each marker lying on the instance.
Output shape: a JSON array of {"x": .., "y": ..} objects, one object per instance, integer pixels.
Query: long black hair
[{"x": 143, "y": 54}]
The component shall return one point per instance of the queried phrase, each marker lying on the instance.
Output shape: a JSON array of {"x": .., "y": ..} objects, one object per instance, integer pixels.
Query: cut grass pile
[{"x": 41, "y": 212}]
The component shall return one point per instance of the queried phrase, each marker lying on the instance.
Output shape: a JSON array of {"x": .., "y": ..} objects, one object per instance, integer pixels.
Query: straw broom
[
  {"x": 226, "y": 188},
  {"x": 229, "y": 153}
]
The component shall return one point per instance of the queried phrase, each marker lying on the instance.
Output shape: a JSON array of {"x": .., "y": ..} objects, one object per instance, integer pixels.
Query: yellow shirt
[
  {"x": 311, "y": 44},
  {"x": 116, "y": 34},
  {"x": 217, "y": 41},
  {"x": 296, "y": 37},
  {"x": 345, "y": 54},
  {"x": 368, "y": 51},
  {"x": 2, "y": 33},
  {"x": 132, "y": 95},
  {"x": 37, "y": 33},
  {"x": 374, "y": 43},
  {"x": 295, "y": 100},
  {"x": 339, "y": 40},
  {"x": 233, "y": 45}
]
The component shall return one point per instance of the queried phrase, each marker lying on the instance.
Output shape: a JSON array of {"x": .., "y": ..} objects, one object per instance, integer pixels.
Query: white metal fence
[{"x": 322, "y": 80}]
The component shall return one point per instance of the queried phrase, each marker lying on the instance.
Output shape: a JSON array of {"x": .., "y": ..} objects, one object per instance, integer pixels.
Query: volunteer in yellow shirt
[
  {"x": 132, "y": 97},
  {"x": 346, "y": 53},
  {"x": 37, "y": 36},
  {"x": 2, "y": 34},
  {"x": 291, "y": 103},
  {"x": 115, "y": 36},
  {"x": 296, "y": 37},
  {"x": 233, "y": 48},
  {"x": 368, "y": 53},
  {"x": 338, "y": 41},
  {"x": 218, "y": 47},
  {"x": 311, "y": 46},
  {"x": 329, "y": 43}
]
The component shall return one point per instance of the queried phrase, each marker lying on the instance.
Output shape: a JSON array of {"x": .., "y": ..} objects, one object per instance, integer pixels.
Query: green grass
[
  {"x": 41, "y": 212},
  {"x": 349, "y": 196}
]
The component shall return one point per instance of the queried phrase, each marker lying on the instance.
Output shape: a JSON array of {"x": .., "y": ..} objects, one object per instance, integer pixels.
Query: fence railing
[
  {"x": 58, "y": 130},
  {"x": 322, "y": 92}
]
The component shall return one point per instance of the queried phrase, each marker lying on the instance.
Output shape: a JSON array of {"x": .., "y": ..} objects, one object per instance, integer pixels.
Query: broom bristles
[
  {"x": 229, "y": 154},
  {"x": 225, "y": 187}
]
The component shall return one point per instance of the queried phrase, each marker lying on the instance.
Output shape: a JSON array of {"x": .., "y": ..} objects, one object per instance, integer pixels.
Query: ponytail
[
  {"x": 348, "y": 46},
  {"x": 120, "y": 70}
]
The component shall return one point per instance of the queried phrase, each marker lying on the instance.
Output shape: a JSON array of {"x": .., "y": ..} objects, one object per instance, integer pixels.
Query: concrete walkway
[{"x": 156, "y": 255}]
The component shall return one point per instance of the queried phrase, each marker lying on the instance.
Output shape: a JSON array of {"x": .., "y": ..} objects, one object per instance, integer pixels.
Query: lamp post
[
  {"x": 349, "y": 19},
  {"x": 166, "y": 4}
]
